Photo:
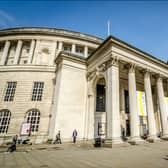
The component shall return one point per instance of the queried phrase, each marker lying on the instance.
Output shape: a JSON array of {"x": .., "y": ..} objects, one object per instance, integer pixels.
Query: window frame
[
  {"x": 8, "y": 118},
  {"x": 37, "y": 92},
  {"x": 33, "y": 118},
  {"x": 9, "y": 92}
]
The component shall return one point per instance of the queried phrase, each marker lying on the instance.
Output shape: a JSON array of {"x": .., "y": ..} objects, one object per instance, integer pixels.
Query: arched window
[
  {"x": 33, "y": 117},
  {"x": 4, "y": 121}
]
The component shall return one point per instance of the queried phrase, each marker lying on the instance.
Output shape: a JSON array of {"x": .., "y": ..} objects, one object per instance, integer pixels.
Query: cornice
[
  {"x": 113, "y": 40},
  {"x": 27, "y": 68},
  {"x": 50, "y": 31},
  {"x": 71, "y": 57},
  {"x": 138, "y": 51}
]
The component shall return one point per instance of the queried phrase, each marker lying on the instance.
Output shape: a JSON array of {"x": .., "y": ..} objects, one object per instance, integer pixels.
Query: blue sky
[{"x": 140, "y": 23}]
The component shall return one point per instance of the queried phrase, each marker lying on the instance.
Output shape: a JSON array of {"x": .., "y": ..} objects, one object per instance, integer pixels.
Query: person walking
[
  {"x": 58, "y": 138},
  {"x": 74, "y": 135}
]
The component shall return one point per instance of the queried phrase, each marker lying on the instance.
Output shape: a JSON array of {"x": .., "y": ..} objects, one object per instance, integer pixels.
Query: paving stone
[{"x": 149, "y": 155}]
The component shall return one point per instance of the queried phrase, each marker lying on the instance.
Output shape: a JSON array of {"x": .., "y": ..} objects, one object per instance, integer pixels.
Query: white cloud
[{"x": 6, "y": 20}]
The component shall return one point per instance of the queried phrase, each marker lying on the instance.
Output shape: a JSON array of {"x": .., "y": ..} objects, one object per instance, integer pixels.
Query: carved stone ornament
[
  {"x": 160, "y": 77},
  {"x": 112, "y": 61},
  {"x": 91, "y": 75},
  {"x": 147, "y": 73},
  {"x": 100, "y": 69},
  {"x": 45, "y": 50},
  {"x": 132, "y": 67}
]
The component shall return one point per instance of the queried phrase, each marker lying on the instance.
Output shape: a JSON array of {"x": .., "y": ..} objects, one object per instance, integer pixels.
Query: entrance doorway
[
  {"x": 100, "y": 114},
  {"x": 128, "y": 128}
]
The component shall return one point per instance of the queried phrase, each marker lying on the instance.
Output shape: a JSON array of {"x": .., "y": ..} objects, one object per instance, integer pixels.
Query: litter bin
[{"x": 98, "y": 142}]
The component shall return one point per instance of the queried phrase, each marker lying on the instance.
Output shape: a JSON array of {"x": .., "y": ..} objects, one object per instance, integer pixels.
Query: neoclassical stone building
[{"x": 63, "y": 80}]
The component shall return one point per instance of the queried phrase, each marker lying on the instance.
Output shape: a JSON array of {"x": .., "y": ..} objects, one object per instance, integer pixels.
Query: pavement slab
[{"x": 148, "y": 155}]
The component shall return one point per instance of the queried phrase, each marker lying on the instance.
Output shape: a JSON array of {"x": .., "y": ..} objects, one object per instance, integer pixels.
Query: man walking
[
  {"x": 58, "y": 138},
  {"x": 74, "y": 135}
]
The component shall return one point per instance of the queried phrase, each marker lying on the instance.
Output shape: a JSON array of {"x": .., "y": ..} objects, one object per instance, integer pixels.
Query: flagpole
[{"x": 108, "y": 28}]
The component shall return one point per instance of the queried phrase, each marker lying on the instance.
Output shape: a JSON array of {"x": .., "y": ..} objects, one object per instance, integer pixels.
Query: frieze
[{"x": 100, "y": 69}]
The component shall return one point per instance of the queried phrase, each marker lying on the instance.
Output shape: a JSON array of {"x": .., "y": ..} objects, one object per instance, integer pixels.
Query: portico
[{"x": 130, "y": 74}]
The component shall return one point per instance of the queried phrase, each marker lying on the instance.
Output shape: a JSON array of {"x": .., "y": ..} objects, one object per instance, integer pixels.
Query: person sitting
[
  {"x": 26, "y": 141},
  {"x": 12, "y": 148}
]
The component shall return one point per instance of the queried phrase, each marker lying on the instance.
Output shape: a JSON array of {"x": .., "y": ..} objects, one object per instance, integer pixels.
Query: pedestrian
[
  {"x": 12, "y": 148},
  {"x": 74, "y": 135},
  {"x": 15, "y": 138},
  {"x": 58, "y": 138}
]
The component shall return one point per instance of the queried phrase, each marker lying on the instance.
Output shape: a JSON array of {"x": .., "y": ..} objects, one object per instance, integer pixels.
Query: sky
[{"x": 142, "y": 24}]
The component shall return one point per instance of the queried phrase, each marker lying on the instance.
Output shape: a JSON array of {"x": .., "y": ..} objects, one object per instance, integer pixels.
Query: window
[
  {"x": 67, "y": 48},
  {"x": 10, "y": 91},
  {"x": 79, "y": 50},
  {"x": 90, "y": 52},
  {"x": 37, "y": 91},
  {"x": 100, "y": 98},
  {"x": 33, "y": 117},
  {"x": 4, "y": 121}
]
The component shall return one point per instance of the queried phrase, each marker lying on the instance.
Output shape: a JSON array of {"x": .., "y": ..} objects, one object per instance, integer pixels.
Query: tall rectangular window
[
  {"x": 126, "y": 95},
  {"x": 37, "y": 91},
  {"x": 100, "y": 98},
  {"x": 10, "y": 91}
]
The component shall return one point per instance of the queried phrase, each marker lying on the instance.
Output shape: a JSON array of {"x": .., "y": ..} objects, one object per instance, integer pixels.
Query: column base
[
  {"x": 152, "y": 138},
  {"x": 114, "y": 142},
  {"x": 165, "y": 137},
  {"x": 135, "y": 140}
]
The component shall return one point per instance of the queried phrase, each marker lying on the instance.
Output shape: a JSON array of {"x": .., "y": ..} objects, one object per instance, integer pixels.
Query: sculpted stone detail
[
  {"x": 100, "y": 69},
  {"x": 112, "y": 61},
  {"x": 45, "y": 50},
  {"x": 132, "y": 67},
  {"x": 91, "y": 75}
]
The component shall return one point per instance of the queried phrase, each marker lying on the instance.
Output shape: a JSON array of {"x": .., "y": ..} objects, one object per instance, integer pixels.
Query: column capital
[
  {"x": 90, "y": 75},
  {"x": 132, "y": 67},
  {"x": 159, "y": 77},
  {"x": 112, "y": 61},
  {"x": 147, "y": 73}
]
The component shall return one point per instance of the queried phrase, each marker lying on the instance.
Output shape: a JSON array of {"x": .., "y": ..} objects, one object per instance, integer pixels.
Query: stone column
[
  {"x": 163, "y": 108},
  {"x": 18, "y": 52},
  {"x": 36, "y": 50},
  {"x": 5, "y": 53},
  {"x": 60, "y": 46},
  {"x": 91, "y": 112},
  {"x": 134, "y": 118},
  {"x": 86, "y": 52},
  {"x": 149, "y": 107},
  {"x": 113, "y": 106},
  {"x": 53, "y": 53},
  {"x": 73, "y": 48},
  {"x": 32, "y": 47}
]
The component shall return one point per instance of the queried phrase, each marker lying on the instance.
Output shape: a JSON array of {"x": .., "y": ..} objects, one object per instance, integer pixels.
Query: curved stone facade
[{"x": 63, "y": 80}]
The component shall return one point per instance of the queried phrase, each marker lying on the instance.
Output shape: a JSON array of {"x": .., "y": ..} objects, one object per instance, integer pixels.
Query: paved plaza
[{"x": 148, "y": 155}]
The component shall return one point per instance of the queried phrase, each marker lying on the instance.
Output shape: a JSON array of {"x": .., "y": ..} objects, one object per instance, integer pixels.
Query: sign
[
  {"x": 25, "y": 129},
  {"x": 166, "y": 98},
  {"x": 141, "y": 102}
]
